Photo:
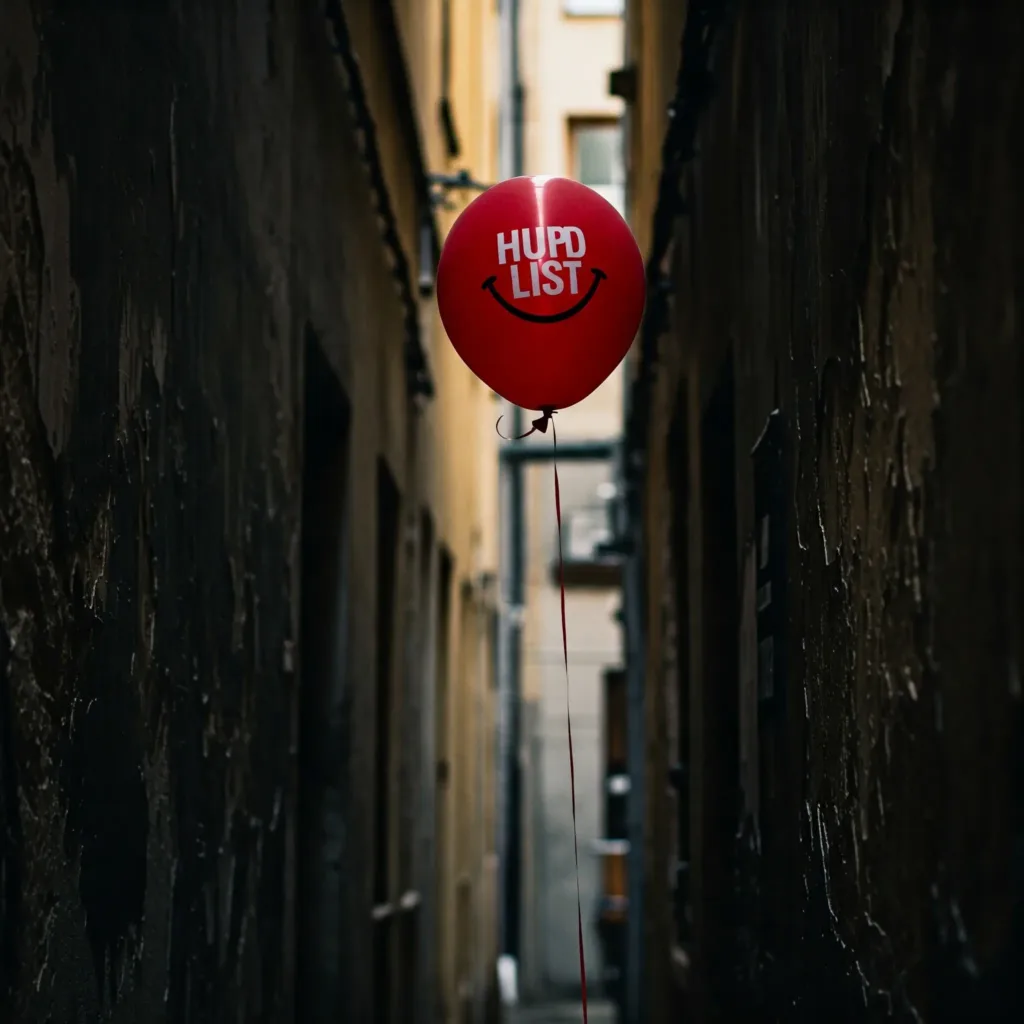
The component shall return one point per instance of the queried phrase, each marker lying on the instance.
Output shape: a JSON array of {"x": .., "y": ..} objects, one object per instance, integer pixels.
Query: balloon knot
[{"x": 540, "y": 425}]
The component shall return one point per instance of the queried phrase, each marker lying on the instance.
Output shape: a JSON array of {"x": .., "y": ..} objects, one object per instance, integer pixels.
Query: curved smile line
[{"x": 551, "y": 318}]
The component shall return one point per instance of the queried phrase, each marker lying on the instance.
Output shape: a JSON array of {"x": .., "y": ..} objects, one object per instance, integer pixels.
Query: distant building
[{"x": 572, "y": 127}]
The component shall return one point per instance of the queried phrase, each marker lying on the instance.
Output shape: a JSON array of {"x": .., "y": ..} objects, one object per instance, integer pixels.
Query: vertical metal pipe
[
  {"x": 517, "y": 567},
  {"x": 504, "y": 680},
  {"x": 516, "y": 84},
  {"x": 512, "y": 494}
]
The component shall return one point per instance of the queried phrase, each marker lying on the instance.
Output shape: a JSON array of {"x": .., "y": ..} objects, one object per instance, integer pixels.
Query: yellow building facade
[{"x": 451, "y": 51}]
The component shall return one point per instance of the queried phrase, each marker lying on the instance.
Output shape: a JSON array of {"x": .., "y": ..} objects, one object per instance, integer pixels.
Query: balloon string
[
  {"x": 540, "y": 425},
  {"x": 568, "y": 715}
]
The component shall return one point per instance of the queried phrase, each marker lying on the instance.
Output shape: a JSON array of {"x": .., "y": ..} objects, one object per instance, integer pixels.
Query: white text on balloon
[{"x": 548, "y": 276}]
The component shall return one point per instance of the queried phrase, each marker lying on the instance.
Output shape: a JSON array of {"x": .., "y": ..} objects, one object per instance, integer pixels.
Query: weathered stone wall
[
  {"x": 181, "y": 201},
  {"x": 855, "y": 240}
]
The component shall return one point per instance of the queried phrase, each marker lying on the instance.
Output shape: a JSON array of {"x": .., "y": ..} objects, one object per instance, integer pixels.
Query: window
[
  {"x": 597, "y": 158},
  {"x": 325, "y": 682},
  {"x": 586, "y": 530},
  {"x": 594, "y": 8}
]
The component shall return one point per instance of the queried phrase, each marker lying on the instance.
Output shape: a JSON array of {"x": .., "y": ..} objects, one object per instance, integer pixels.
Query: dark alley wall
[
  {"x": 181, "y": 206},
  {"x": 852, "y": 256}
]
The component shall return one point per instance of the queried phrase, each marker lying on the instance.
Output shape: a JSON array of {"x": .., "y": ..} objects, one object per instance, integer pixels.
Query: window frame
[{"x": 577, "y": 123}]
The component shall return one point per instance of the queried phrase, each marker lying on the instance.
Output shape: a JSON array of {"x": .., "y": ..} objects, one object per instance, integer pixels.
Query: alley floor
[{"x": 598, "y": 1012}]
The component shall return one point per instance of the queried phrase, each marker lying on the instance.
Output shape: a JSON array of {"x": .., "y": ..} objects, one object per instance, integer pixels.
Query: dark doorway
[
  {"x": 388, "y": 520},
  {"x": 417, "y": 850},
  {"x": 322, "y": 696},
  {"x": 443, "y": 754},
  {"x": 614, "y": 892},
  {"x": 616, "y": 767},
  {"x": 719, "y": 721},
  {"x": 678, "y": 475}
]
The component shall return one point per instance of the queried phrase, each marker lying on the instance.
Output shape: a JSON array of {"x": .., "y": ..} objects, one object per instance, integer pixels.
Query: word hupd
[{"x": 564, "y": 248}]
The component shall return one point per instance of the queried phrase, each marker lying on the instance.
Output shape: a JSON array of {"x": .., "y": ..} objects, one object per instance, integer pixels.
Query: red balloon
[{"x": 541, "y": 289}]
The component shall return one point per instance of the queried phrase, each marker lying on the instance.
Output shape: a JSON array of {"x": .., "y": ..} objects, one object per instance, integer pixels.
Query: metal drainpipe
[
  {"x": 514, "y": 517},
  {"x": 481, "y": 866}
]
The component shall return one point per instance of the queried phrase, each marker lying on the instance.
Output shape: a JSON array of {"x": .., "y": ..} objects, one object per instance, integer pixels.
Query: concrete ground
[{"x": 598, "y": 1012}]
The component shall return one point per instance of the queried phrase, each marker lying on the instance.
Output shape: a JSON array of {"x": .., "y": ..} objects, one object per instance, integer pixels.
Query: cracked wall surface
[
  {"x": 147, "y": 515},
  {"x": 854, "y": 239},
  {"x": 181, "y": 203}
]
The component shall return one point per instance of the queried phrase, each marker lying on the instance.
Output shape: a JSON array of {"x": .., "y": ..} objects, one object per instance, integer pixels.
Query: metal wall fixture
[{"x": 443, "y": 184}]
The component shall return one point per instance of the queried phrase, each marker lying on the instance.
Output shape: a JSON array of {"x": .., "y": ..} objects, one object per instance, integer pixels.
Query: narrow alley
[{"x": 283, "y": 677}]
